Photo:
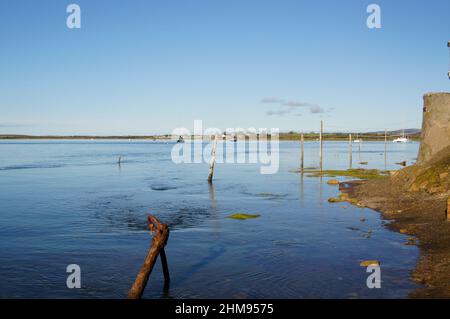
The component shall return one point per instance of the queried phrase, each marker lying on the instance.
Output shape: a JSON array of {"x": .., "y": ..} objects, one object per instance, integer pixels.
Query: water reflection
[
  {"x": 212, "y": 195},
  {"x": 302, "y": 186}
]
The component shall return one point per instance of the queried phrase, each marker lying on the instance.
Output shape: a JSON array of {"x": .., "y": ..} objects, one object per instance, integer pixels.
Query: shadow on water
[{"x": 214, "y": 252}]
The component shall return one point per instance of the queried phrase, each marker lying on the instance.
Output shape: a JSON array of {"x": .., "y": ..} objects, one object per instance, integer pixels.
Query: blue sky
[{"x": 144, "y": 67}]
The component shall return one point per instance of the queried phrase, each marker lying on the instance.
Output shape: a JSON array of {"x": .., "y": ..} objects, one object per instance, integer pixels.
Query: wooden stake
[
  {"x": 350, "y": 150},
  {"x": 359, "y": 148},
  {"x": 159, "y": 241},
  {"x": 302, "y": 161},
  {"x": 385, "y": 149},
  {"x": 213, "y": 160},
  {"x": 321, "y": 145}
]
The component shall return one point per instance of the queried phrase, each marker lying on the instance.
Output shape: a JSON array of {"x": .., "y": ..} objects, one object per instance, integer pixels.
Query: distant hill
[{"x": 409, "y": 131}]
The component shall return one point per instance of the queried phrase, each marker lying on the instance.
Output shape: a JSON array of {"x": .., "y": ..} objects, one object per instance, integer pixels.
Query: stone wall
[{"x": 435, "y": 125}]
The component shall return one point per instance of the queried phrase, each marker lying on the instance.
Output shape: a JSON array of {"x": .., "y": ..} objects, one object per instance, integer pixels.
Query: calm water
[{"x": 65, "y": 202}]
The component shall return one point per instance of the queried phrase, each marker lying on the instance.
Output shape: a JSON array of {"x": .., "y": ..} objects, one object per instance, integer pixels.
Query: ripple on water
[
  {"x": 162, "y": 187},
  {"x": 118, "y": 213},
  {"x": 30, "y": 166},
  {"x": 266, "y": 195}
]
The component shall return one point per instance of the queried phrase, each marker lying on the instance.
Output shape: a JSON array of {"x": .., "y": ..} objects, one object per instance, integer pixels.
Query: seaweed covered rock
[
  {"x": 434, "y": 176},
  {"x": 431, "y": 177}
]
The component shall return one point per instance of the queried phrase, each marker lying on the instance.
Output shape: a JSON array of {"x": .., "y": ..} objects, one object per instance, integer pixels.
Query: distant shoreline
[{"x": 282, "y": 137}]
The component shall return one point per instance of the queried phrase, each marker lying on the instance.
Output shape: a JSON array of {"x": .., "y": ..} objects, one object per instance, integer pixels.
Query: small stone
[
  {"x": 334, "y": 200},
  {"x": 367, "y": 263},
  {"x": 333, "y": 182},
  {"x": 443, "y": 175},
  {"x": 410, "y": 241}
]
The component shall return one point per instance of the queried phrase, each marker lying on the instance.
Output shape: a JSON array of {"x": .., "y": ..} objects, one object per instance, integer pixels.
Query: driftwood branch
[{"x": 159, "y": 241}]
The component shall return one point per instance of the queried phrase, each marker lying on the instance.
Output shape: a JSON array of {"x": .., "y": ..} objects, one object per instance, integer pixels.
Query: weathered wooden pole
[
  {"x": 302, "y": 161},
  {"x": 213, "y": 160},
  {"x": 350, "y": 150},
  {"x": 321, "y": 145},
  {"x": 159, "y": 241},
  {"x": 359, "y": 148},
  {"x": 385, "y": 149},
  {"x": 165, "y": 266}
]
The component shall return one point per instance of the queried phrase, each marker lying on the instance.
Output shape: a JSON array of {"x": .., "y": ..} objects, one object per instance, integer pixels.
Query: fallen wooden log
[{"x": 159, "y": 241}]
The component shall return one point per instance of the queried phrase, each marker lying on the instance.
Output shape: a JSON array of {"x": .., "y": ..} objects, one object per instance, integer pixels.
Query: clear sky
[{"x": 144, "y": 67}]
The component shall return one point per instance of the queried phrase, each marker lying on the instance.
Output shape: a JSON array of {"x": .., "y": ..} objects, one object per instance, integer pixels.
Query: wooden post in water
[
  {"x": 385, "y": 149},
  {"x": 159, "y": 241},
  {"x": 321, "y": 145},
  {"x": 213, "y": 160},
  {"x": 302, "y": 161},
  {"x": 359, "y": 149},
  {"x": 350, "y": 150}
]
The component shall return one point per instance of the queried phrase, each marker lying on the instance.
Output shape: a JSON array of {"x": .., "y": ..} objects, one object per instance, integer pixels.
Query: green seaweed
[
  {"x": 431, "y": 175},
  {"x": 355, "y": 173},
  {"x": 243, "y": 216}
]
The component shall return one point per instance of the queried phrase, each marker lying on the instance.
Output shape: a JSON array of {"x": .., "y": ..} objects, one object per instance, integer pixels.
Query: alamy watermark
[
  {"x": 374, "y": 279},
  {"x": 74, "y": 279},
  {"x": 73, "y": 20},
  {"x": 374, "y": 19},
  {"x": 234, "y": 145}
]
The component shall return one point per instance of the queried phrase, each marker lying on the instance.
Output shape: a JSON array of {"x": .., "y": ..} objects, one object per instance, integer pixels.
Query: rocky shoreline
[
  {"x": 418, "y": 213},
  {"x": 417, "y": 199}
]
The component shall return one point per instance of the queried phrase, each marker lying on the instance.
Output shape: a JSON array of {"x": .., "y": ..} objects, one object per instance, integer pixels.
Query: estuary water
[{"x": 68, "y": 202}]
